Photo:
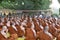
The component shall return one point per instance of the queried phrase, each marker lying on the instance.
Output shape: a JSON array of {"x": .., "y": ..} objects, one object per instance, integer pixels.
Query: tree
[
  {"x": 25, "y": 4},
  {"x": 1, "y": 1},
  {"x": 45, "y": 4}
]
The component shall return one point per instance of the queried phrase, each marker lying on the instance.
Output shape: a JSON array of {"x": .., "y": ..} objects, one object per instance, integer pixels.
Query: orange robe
[
  {"x": 43, "y": 36},
  {"x": 29, "y": 34},
  {"x": 58, "y": 37},
  {"x": 2, "y": 37},
  {"x": 19, "y": 31},
  {"x": 11, "y": 30}
]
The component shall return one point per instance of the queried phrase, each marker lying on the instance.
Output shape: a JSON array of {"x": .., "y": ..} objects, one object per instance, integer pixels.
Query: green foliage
[
  {"x": 45, "y": 4},
  {"x": 28, "y": 4},
  {"x": 55, "y": 15},
  {"x": 0, "y": 1}
]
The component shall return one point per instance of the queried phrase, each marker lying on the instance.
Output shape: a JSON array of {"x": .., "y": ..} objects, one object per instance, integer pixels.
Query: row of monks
[{"x": 30, "y": 28}]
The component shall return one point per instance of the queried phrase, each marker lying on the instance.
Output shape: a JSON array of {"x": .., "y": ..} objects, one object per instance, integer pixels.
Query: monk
[
  {"x": 44, "y": 35},
  {"x": 37, "y": 28},
  {"x": 52, "y": 30},
  {"x": 12, "y": 31},
  {"x": 19, "y": 31},
  {"x": 2, "y": 36},
  {"x": 28, "y": 24},
  {"x": 29, "y": 35}
]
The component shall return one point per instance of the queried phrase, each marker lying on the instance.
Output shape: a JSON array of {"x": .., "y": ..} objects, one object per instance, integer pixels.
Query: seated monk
[
  {"x": 37, "y": 28},
  {"x": 57, "y": 26},
  {"x": 44, "y": 35},
  {"x": 19, "y": 30},
  {"x": 41, "y": 22},
  {"x": 28, "y": 24},
  {"x": 24, "y": 23},
  {"x": 52, "y": 30},
  {"x": 11, "y": 30},
  {"x": 49, "y": 23},
  {"x": 2, "y": 37},
  {"x": 4, "y": 31},
  {"x": 28, "y": 21},
  {"x": 29, "y": 35},
  {"x": 32, "y": 28}
]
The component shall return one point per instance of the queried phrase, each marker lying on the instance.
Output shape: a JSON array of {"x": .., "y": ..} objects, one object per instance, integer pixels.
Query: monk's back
[
  {"x": 29, "y": 34},
  {"x": 2, "y": 37},
  {"x": 43, "y": 36},
  {"x": 11, "y": 30}
]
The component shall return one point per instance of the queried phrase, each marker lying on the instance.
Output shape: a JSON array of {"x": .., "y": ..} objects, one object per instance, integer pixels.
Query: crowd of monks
[{"x": 30, "y": 28}]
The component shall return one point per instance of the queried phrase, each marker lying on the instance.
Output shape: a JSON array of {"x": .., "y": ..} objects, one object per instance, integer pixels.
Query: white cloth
[
  {"x": 17, "y": 23},
  {"x": 41, "y": 27},
  {"x": 32, "y": 27},
  {"x": 8, "y": 24},
  {"x": 40, "y": 16},
  {"x": 3, "y": 31},
  {"x": 34, "y": 32},
  {"x": 22, "y": 28},
  {"x": 4, "y": 34},
  {"x": 14, "y": 27},
  {"x": 49, "y": 34}
]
